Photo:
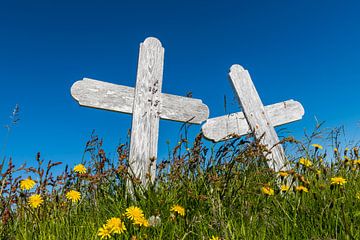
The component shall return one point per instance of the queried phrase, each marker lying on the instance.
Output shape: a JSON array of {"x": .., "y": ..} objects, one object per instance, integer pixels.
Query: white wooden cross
[
  {"x": 255, "y": 118},
  {"x": 146, "y": 103}
]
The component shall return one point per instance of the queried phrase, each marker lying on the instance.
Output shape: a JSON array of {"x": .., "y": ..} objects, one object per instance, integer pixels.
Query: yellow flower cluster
[
  {"x": 113, "y": 226},
  {"x": 178, "y": 209},
  {"x": 27, "y": 184},
  {"x": 137, "y": 216},
  {"x": 117, "y": 226}
]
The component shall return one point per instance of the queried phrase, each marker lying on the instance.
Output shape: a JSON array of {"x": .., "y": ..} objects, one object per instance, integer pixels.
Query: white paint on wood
[
  {"x": 146, "y": 110},
  {"x": 226, "y": 127},
  {"x": 256, "y": 116},
  {"x": 108, "y": 96}
]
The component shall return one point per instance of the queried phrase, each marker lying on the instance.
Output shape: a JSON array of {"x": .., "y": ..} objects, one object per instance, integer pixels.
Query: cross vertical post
[
  {"x": 256, "y": 116},
  {"x": 146, "y": 110}
]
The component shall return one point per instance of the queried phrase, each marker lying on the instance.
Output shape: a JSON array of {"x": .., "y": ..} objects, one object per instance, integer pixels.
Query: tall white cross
[
  {"x": 146, "y": 103},
  {"x": 255, "y": 118}
]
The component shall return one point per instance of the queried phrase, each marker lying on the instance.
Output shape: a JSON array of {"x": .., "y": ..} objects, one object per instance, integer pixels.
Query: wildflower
[
  {"x": 302, "y": 189},
  {"x": 104, "y": 232},
  {"x": 73, "y": 195},
  {"x": 178, "y": 209},
  {"x": 142, "y": 222},
  {"x": 137, "y": 215},
  {"x": 336, "y": 150},
  {"x": 338, "y": 181},
  {"x": 27, "y": 184},
  {"x": 134, "y": 213},
  {"x": 267, "y": 191},
  {"x": 115, "y": 225},
  {"x": 80, "y": 169},
  {"x": 283, "y": 174},
  {"x": 284, "y": 188},
  {"x": 214, "y": 238},
  {"x": 317, "y": 146},
  {"x": 35, "y": 200},
  {"x": 305, "y": 162}
]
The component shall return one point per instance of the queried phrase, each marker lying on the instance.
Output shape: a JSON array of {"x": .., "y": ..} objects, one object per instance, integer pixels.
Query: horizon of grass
[{"x": 226, "y": 190}]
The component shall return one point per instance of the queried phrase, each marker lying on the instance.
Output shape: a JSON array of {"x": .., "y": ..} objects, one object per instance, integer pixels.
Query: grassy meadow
[{"x": 225, "y": 191}]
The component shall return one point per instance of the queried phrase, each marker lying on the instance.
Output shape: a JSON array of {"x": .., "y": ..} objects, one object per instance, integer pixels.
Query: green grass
[{"x": 219, "y": 187}]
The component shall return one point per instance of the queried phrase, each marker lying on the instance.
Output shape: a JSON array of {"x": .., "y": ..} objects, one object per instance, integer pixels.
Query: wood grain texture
[
  {"x": 256, "y": 116},
  {"x": 108, "y": 96},
  {"x": 146, "y": 110},
  {"x": 226, "y": 127}
]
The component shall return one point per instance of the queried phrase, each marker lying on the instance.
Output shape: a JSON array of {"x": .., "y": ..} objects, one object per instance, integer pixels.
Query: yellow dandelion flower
[
  {"x": 73, "y": 195},
  {"x": 214, "y": 238},
  {"x": 178, "y": 209},
  {"x": 356, "y": 162},
  {"x": 305, "y": 162},
  {"x": 104, "y": 232},
  {"x": 80, "y": 169},
  {"x": 116, "y": 225},
  {"x": 302, "y": 189},
  {"x": 338, "y": 181},
  {"x": 35, "y": 200},
  {"x": 317, "y": 146},
  {"x": 141, "y": 222},
  {"x": 267, "y": 191},
  {"x": 284, "y": 188},
  {"x": 134, "y": 213},
  {"x": 283, "y": 174},
  {"x": 27, "y": 184}
]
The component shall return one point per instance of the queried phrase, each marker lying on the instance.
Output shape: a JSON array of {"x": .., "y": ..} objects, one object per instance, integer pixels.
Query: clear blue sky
[{"x": 306, "y": 50}]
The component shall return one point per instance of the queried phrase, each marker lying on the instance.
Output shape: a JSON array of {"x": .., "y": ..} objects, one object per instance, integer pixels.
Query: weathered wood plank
[
  {"x": 256, "y": 116},
  {"x": 118, "y": 98},
  {"x": 225, "y": 127},
  {"x": 146, "y": 110}
]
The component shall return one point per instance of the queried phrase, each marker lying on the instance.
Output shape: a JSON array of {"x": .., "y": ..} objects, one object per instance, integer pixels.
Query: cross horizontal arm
[
  {"x": 221, "y": 128},
  {"x": 118, "y": 98}
]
